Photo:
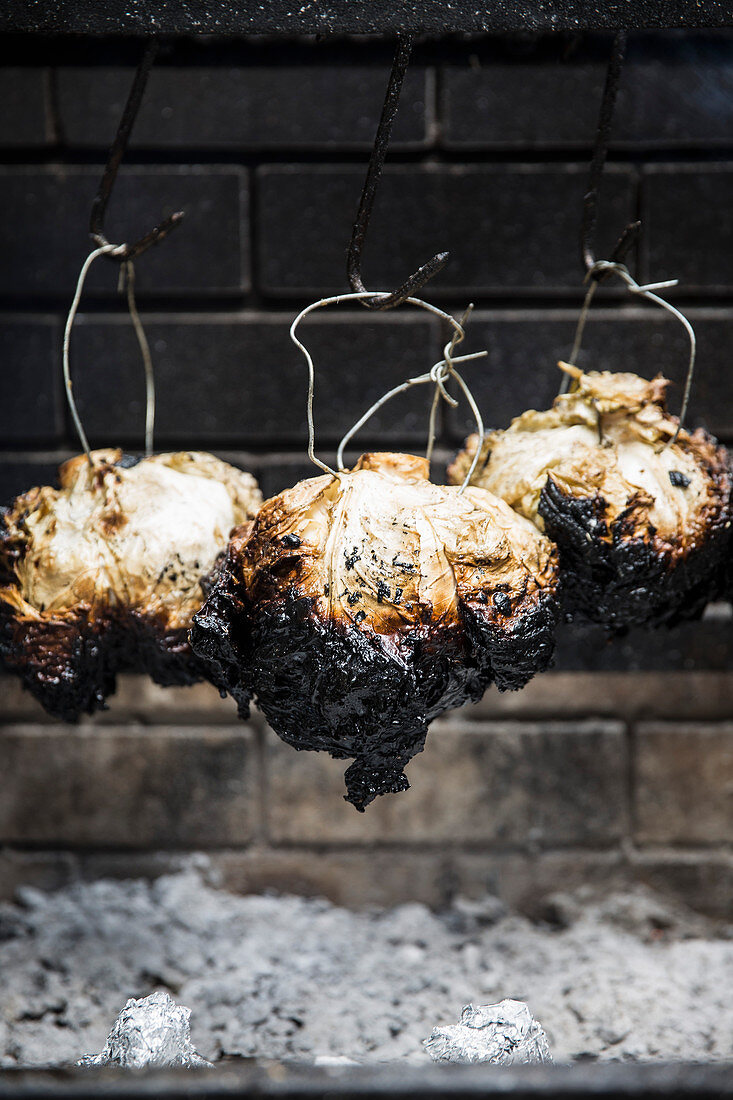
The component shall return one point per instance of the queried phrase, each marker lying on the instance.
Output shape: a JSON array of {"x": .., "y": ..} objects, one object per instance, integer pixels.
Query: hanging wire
[
  {"x": 440, "y": 390},
  {"x": 127, "y": 277},
  {"x": 580, "y": 329},
  {"x": 597, "y": 270},
  {"x": 101, "y": 251},
  {"x": 608, "y": 267},
  {"x": 117, "y": 152},
  {"x": 590, "y": 200},
  {"x": 598, "y": 161},
  {"x": 121, "y": 253},
  {"x": 126, "y": 281},
  {"x": 382, "y": 300},
  {"x": 438, "y": 375}
]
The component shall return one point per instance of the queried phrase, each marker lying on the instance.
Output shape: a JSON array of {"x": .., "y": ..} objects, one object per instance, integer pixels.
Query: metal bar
[
  {"x": 290, "y": 1081},
  {"x": 386, "y": 17},
  {"x": 366, "y": 204}
]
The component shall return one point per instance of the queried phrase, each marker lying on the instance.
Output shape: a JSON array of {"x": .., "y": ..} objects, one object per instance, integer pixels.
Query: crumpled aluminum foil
[
  {"x": 152, "y": 1031},
  {"x": 504, "y": 1034}
]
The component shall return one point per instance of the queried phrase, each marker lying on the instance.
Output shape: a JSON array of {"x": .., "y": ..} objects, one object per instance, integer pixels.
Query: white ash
[
  {"x": 628, "y": 977},
  {"x": 150, "y": 1031},
  {"x": 504, "y": 1034}
]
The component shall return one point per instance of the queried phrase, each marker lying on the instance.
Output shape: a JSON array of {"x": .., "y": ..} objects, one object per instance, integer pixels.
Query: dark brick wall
[
  {"x": 617, "y": 766},
  {"x": 264, "y": 147}
]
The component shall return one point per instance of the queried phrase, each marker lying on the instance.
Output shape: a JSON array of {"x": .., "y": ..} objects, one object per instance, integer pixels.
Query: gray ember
[
  {"x": 624, "y": 976},
  {"x": 504, "y": 1034},
  {"x": 153, "y": 1031}
]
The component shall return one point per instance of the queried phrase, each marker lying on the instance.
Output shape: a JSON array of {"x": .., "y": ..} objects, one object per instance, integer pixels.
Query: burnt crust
[
  {"x": 613, "y": 575},
  {"x": 70, "y": 663},
  {"x": 69, "y": 654},
  {"x": 324, "y": 687},
  {"x": 335, "y": 684},
  {"x": 624, "y": 574}
]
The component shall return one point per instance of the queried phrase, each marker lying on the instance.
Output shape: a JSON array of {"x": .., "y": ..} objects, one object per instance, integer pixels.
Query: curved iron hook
[
  {"x": 99, "y": 205},
  {"x": 374, "y": 173},
  {"x": 600, "y": 153}
]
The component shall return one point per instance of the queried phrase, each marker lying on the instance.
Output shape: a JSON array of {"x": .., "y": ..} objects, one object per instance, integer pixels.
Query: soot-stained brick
[
  {"x": 47, "y": 237},
  {"x": 688, "y": 212},
  {"x": 241, "y": 380},
  {"x": 706, "y": 645},
  {"x": 684, "y": 774},
  {"x": 23, "y": 115},
  {"x": 546, "y": 93},
  {"x": 167, "y": 787},
  {"x": 29, "y": 381},
  {"x": 521, "y": 372},
  {"x": 507, "y": 228},
  {"x": 493, "y": 98},
  {"x": 19, "y": 475},
  {"x": 231, "y": 107},
  {"x": 522, "y": 785}
]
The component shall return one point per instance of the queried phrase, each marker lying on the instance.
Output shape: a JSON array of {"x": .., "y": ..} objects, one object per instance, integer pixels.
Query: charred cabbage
[
  {"x": 104, "y": 574},
  {"x": 642, "y": 523},
  {"x": 357, "y": 608}
]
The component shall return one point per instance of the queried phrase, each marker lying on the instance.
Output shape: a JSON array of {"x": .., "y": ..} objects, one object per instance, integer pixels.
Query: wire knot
[
  {"x": 614, "y": 267},
  {"x": 438, "y": 374}
]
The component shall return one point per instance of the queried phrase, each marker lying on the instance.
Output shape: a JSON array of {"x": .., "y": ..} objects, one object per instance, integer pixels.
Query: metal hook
[
  {"x": 595, "y": 272},
  {"x": 374, "y": 173},
  {"x": 99, "y": 206},
  {"x": 126, "y": 281},
  {"x": 600, "y": 153}
]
